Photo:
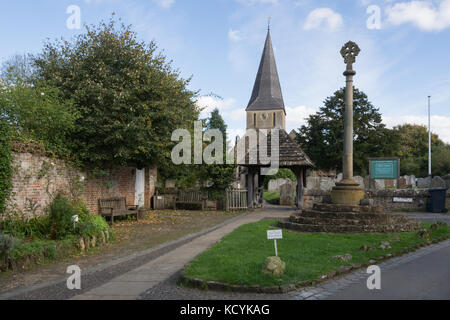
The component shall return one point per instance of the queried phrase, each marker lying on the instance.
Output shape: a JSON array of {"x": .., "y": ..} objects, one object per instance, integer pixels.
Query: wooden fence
[
  {"x": 236, "y": 199},
  {"x": 164, "y": 201}
]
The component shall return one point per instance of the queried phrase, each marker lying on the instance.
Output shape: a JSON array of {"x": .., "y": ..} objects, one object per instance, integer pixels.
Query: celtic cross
[{"x": 349, "y": 52}]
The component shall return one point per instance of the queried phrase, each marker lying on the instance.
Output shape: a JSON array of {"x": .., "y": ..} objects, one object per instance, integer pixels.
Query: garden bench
[
  {"x": 115, "y": 207},
  {"x": 192, "y": 197}
]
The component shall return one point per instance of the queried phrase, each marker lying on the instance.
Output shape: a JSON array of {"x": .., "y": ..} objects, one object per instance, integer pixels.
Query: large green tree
[
  {"x": 39, "y": 115},
  {"x": 128, "y": 97},
  {"x": 413, "y": 151},
  {"x": 322, "y": 136},
  {"x": 220, "y": 175}
]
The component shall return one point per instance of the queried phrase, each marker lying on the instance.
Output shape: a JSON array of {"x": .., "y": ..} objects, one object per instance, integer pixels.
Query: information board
[{"x": 384, "y": 168}]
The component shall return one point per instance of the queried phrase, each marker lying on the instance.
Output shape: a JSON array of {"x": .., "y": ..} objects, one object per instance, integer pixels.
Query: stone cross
[
  {"x": 348, "y": 191},
  {"x": 349, "y": 52}
]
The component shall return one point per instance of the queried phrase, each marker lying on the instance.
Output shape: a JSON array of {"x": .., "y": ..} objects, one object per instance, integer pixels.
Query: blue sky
[{"x": 405, "y": 55}]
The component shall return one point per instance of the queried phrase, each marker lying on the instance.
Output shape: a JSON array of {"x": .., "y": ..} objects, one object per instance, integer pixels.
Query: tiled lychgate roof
[{"x": 290, "y": 154}]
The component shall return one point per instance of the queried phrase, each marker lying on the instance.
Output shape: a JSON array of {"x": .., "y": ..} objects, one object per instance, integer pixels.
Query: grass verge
[
  {"x": 272, "y": 197},
  {"x": 238, "y": 257}
]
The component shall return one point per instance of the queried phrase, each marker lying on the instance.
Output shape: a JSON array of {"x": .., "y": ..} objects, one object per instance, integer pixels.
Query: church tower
[{"x": 266, "y": 107}]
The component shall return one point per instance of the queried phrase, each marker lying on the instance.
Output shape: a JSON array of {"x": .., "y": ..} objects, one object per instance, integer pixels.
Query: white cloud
[
  {"x": 318, "y": 16},
  {"x": 295, "y": 117},
  {"x": 210, "y": 103},
  {"x": 253, "y": 2},
  {"x": 234, "y": 35},
  {"x": 439, "y": 124},
  {"x": 426, "y": 15},
  {"x": 165, "y": 3}
]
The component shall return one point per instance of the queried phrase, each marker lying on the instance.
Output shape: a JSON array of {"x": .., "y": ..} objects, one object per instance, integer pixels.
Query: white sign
[
  {"x": 75, "y": 218},
  {"x": 274, "y": 234},
  {"x": 407, "y": 200}
]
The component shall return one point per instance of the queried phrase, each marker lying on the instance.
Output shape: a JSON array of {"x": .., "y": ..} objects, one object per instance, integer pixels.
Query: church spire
[{"x": 266, "y": 93}]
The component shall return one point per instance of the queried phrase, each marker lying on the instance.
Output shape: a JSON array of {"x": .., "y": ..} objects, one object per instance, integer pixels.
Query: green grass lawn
[
  {"x": 272, "y": 197},
  {"x": 238, "y": 257}
]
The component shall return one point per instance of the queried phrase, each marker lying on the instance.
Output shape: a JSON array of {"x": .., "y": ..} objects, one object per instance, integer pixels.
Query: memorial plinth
[{"x": 337, "y": 218}]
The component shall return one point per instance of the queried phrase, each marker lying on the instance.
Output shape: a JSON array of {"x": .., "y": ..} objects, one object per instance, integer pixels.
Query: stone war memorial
[{"x": 348, "y": 210}]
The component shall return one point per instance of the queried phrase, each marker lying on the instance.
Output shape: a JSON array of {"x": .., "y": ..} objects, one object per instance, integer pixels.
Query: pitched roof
[
  {"x": 266, "y": 93},
  {"x": 290, "y": 153}
]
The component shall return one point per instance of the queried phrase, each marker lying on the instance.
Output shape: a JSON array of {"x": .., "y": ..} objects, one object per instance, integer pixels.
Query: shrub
[
  {"x": 61, "y": 211},
  {"x": 36, "y": 227},
  {"x": 92, "y": 226},
  {"x": 7, "y": 244}
]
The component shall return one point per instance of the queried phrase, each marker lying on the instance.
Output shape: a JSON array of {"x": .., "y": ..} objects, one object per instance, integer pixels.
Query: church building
[{"x": 266, "y": 110}]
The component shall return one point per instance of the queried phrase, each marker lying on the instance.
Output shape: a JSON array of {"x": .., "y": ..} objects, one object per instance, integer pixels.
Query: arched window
[
  {"x": 254, "y": 119},
  {"x": 274, "y": 119}
]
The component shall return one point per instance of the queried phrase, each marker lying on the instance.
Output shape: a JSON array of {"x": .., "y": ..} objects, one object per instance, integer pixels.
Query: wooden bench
[
  {"x": 115, "y": 207},
  {"x": 192, "y": 197}
]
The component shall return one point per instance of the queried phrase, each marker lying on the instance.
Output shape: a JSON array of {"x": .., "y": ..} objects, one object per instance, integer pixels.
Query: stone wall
[
  {"x": 326, "y": 183},
  {"x": 405, "y": 199},
  {"x": 37, "y": 179}
]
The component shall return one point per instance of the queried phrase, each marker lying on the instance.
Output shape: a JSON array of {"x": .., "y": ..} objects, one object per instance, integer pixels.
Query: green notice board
[{"x": 384, "y": 168}]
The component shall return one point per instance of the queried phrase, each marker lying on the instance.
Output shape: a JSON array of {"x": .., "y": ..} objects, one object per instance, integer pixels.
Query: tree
[
  {"x": 220, "y": 175},
  {"x": 129, "y": 98},
  {"x": 281, "y": 174},
  {"x": 413, "y": 151},
  {"x": 39, "y": 115},
  {"x": 322, "y": 136},
  {"x": 17, "y": 70},
  {"x": 441, "y": 161}
]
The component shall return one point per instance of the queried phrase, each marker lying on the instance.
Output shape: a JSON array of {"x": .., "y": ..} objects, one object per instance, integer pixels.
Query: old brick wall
[{"x": 37, "y": 179}]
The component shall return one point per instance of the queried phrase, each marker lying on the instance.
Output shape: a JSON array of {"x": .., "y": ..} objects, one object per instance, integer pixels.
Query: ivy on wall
[{"x": 5, "y": 164}]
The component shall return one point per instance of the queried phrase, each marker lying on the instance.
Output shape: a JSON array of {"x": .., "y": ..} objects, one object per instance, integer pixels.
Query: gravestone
[
  {"x": 402, "y": 181},
  {"x": 287, "y": 194},
  {"x": 379, "y": 184},
  {"x": 438, "y": 182},
  {"x": 447, "y": 180},
  {"x": 275, "y": 184},
  {"x": 424, "y": 183},
  {"x": 360, "y": 180},
  {"x": 389, "y": 183},
  {"x": 411, "y": 181},
  {"x": 312, "y": 183}
]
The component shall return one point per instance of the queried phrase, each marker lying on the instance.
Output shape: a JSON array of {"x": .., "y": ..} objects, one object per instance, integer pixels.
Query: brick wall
[{"x": 37, "y": 179}]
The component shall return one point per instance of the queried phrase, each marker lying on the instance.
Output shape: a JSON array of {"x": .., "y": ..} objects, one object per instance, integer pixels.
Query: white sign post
[{"x": 274, "y": 235}]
